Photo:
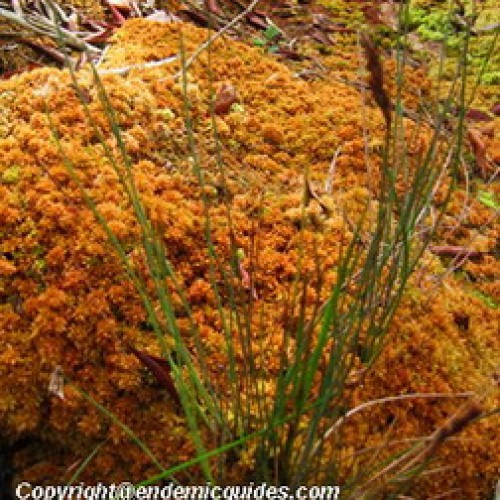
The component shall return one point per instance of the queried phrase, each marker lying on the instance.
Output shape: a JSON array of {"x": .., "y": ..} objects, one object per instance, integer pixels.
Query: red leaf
[
  {"x": 225, "y": 98},
  {"x": 478, "y": 115},
  {"x": 160, "y": 368}
]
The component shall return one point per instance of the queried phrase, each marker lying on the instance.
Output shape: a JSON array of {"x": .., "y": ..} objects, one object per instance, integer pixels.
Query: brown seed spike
[
  {"x": 462, "y": 418},
  {"x": 376, "y": 80}
]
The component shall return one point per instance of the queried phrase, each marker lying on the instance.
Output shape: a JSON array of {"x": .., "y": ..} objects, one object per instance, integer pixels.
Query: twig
[
  {"x": 46, "y": 27},
  {"x": 217, "y": 35},
  {"x": 331, "y": 171},
  {"x": 455, "y": 424},
  {"x": 455, "y": 251},
  {"x": 471, "y": 410},
  {"x": 125, "y": 69},
  {"x": 364, "y": 406},
  {"x": 446, "y": 493},
  {"x": 51, "y": 52}
]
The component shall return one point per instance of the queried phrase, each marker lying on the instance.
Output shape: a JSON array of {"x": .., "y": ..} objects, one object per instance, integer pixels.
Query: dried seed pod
[{"x": 376, "y": 80}]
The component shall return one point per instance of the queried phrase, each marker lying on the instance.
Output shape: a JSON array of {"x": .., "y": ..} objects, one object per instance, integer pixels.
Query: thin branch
[
  {"x": 47, "y": 27},
  {"x": 389, "y": 399},
  {"x": 331, "y": 171},
  {"x": 125, "y": 69},
  {"x": 217, "y": 35},
  {"x": 415, "y": 458}
]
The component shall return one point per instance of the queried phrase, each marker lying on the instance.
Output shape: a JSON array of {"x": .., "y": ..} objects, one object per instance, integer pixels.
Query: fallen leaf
[
  {"x": 160, "y": 368},
  {"x": 488, "y": 200},
  {"x": 488, "y": 130},
  {"x": 7, "y": 268},
  {"x": 477, "y": 115},
  {"x": 225, "y": 98}
]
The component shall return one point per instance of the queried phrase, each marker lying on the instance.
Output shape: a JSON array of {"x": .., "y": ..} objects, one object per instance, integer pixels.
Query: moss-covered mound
[{"x": 65, "y": 300}]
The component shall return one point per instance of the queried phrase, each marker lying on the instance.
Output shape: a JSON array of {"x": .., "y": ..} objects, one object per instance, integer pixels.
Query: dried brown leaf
[
  {"x": 160, "y": 368},
  {"x": 477, "y": 115},
  {"x": 225, "y": 98}
]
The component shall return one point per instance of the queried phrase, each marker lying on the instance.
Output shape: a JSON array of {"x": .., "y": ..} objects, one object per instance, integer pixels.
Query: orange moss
[{"x": 67, "y": 301}]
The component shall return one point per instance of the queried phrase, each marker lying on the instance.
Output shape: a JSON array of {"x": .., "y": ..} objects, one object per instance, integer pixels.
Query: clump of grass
[{"x": 286, "y": 437}]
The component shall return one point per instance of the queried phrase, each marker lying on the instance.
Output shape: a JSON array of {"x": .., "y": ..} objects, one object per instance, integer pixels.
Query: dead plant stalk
[{"x": 204, "y": 46}]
